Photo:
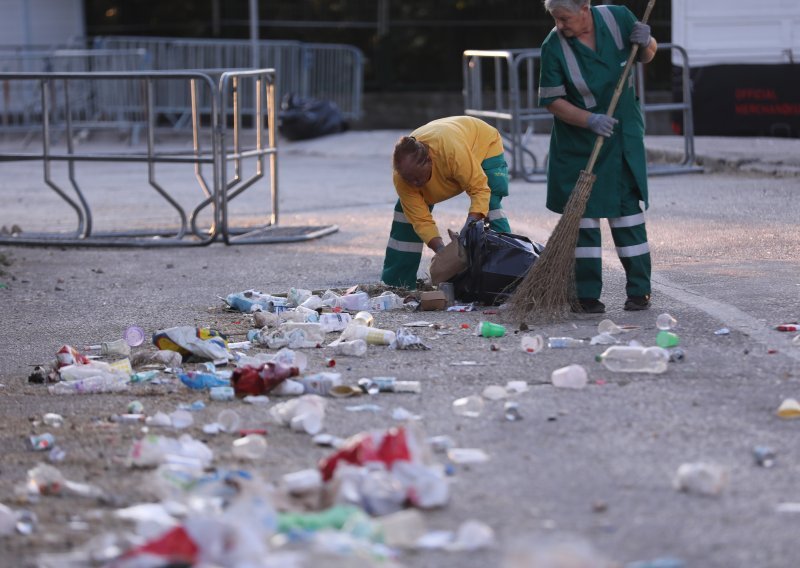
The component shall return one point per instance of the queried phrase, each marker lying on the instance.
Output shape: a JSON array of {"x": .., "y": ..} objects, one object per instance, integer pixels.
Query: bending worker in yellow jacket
[{"x": 446, "y": 157}]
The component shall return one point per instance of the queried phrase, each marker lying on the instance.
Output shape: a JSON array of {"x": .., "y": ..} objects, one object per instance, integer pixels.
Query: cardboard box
[{"x": 433, "y": 301}]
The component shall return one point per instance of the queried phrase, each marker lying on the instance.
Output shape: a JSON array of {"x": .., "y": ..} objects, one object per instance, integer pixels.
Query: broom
[{"x": 548, "y": 289}]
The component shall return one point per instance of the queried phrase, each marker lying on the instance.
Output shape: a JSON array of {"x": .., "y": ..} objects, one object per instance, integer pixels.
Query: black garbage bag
[
  {"x": 301, "y": 118},
  {"x": 497, "y": 262}
]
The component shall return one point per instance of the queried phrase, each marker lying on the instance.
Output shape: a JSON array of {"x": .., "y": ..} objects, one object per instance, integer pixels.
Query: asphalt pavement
[{"x": 595, "y": 464}]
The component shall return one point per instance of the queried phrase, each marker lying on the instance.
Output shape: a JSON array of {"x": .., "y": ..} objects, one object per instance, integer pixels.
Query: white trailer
[{"x": 744, "y": 59}]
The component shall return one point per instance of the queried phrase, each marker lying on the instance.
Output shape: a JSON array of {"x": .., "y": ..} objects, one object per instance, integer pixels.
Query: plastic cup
[
  {"x": 489, "y": 329},
  {"x": 667, "y": 339},
  {"x": 133, "y": 336},
  {"x": 229, "y": 420},
  {"x": 665, "y": 322},
  {"x": 531, "y": 343}
]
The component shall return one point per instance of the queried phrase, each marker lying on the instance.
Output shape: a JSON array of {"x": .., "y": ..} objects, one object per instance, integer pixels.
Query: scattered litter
[
  {"x": 789, "y": 409},
  {"x": 494, "y": 392},
  {"x": 517, "y": 387},
  {"x": 466, "y": 456},
  {"x": 406, "y": 340},
  {"x": 604, "y": 338},
  {"x": 700, "y": 478},
  {"x": 419, "y": 323},
  {"x": 469, "y": 406},
  {"x": 665, "y": 322},
  {"x": 364, "y": 408},
  {"x": 403, "y": 414},
  {"x": 531, "y": 343},
  {"x": 764, "y": 456},
  {"x": 722, "y": 331},
  {"x": 570, "y": 377}
]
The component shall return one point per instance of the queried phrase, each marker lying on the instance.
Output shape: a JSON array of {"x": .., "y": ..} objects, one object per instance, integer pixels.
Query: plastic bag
[
  {"x": 301, "y": 118},
  {"x": 496, "y": 264}
]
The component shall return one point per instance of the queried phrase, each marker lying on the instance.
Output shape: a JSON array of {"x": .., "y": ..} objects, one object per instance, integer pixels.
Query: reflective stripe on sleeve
[
  {"x": 495, "y": 214},
  {"x": 550, "y": 92}
]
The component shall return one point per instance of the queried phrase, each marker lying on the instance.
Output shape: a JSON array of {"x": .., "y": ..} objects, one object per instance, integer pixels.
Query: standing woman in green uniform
[
  {"x": 442, "y": 159},
  {"x": 582, "y": 60}
]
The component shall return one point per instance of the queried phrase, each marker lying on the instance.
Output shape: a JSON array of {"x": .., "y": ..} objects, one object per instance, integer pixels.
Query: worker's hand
[
  {"x": 470, "y": 219},
  {"x": 641, "y": 34},
  {"x": 436, "y": 244},
  {"x": 602, "y": 124}
]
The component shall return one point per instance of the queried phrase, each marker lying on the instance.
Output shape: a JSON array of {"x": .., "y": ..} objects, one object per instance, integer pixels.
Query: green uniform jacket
[{"x": 587, "y": 80}]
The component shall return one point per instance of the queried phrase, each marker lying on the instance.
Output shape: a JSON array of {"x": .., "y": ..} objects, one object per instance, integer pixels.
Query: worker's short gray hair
[{"x": 571, "y": 5}]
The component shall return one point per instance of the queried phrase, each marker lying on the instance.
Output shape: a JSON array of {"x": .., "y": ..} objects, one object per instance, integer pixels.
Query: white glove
[
  {"x": 641, "y": 34},
  {"x": 602, "y": 124}
]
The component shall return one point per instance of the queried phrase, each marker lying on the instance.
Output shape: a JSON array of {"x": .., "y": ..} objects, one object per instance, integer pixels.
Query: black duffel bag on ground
[{"x": 497, "y": 262}]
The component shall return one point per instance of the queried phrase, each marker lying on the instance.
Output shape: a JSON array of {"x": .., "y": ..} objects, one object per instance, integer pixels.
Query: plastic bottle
[
  {"x": 470, "y": 406},
  {"x": 386, "y": 301},
  {"x": 391, "y": 384},
  {"x": 221, "y": 394},
  {"x": 666, "y": 322},
  {"x": 334, "y": 322},
  {"x": 118, "y": 347},
  {"x": 564, "y": 342},
  {"x": 91, "y": 385},
  {"x": 302, "y": 481},
  {"x": 354, "y": 302},
  {"x": 355, "y": 348},
  {"x": 371, "y": 335},
  {"x": 569, "y": 377},
  {"x": 320, "y": 383},
  {"x": 630, "y": 359}
]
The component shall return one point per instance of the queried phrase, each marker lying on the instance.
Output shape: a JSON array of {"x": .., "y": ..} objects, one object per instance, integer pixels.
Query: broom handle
[{"x": 598, "y": 143}]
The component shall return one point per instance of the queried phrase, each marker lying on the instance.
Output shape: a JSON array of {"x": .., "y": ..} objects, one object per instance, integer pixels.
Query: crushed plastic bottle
[
  {"x": 700, "y": 478},
  {"x": 354, "y": 302},
  {"x": 355, "y": 348},
  {"x": 105, "y": 383},
  {"x": 153, "y": 450},
  {"x": 631, "y": 359},
  {"x": 250, "y": 447},
  {"x": 469, "y": 406},
  {"x": 608, "y": 326},
  {"x": 386, "y": 301},
  {"x": 564, "y": 342},
  {"x": 570, "y": 377},
  {"x": 320, "y": 383}
]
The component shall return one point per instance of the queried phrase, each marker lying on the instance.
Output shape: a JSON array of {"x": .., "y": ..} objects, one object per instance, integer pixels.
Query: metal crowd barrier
[
  {"x": 201, "y": 219},
  {"x": 323, "y": 71},
  {"x": 500, "y": 86},
  {"x": 93, "y": 106}
]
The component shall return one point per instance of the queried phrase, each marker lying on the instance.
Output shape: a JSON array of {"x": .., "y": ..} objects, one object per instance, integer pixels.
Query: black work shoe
[
  {"x": 589, "y": 306},
  {"x": 636, "y": 303}
]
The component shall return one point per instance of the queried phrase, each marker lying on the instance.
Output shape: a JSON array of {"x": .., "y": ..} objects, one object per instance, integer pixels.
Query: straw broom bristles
[{"x": 548, "y": 289}]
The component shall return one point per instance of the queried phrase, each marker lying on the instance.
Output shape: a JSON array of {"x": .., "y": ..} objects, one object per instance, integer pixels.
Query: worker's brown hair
[{"x": 410, "y": 148}]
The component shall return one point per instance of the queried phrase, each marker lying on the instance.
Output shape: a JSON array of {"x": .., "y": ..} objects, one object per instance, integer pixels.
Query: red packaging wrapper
[
  {"x": 256, "y": 381},
  {"x": 387, "y": 448},
  {"x": 68, "y": 355}
]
